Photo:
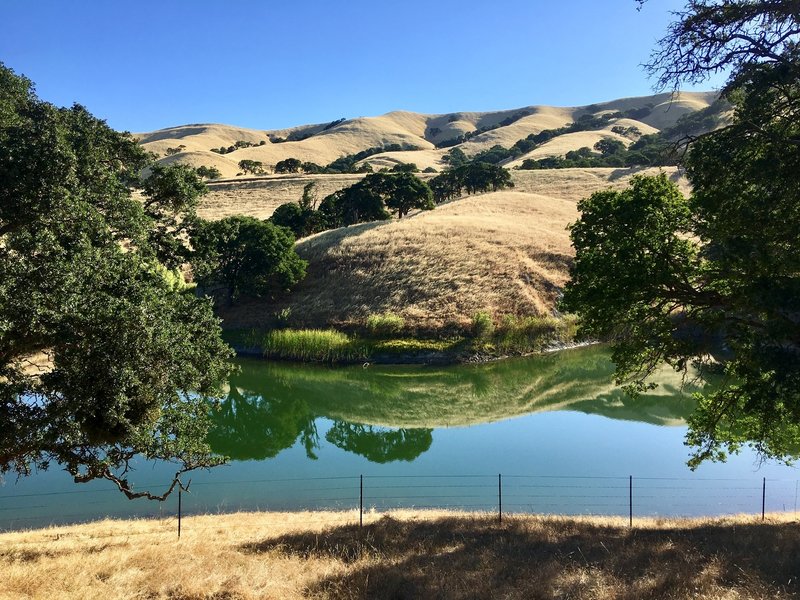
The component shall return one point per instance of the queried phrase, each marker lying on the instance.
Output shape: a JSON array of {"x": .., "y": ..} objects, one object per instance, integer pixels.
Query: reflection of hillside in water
[{"x": 271, "y": 405}]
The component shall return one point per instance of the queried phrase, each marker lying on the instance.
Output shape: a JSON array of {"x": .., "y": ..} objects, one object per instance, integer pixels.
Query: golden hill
[
  {"x": 323, "y": 143},
  {"x": 506, "y": 253}
]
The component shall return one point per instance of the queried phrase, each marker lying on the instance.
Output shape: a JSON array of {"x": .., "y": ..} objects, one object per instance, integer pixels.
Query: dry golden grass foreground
[
  {"x": 504, "y": 253},
  {"x": 408, "y": 554}
]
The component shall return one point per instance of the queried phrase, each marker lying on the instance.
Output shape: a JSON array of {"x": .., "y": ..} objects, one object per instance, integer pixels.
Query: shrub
[
  {"x": 208, "y": 172},
  {"x": 385, "y": 325},
  {"x": 482, "y": 325}
]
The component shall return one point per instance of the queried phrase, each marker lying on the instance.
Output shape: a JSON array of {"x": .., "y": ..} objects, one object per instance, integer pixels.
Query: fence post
[
  {"x": 361, "y": 501},
  {"x": 630, "y": 501},
  {"x": 179, "y": 512},
  {"x": 763, "y": 496},
  {"x": 499, "y": 498}
]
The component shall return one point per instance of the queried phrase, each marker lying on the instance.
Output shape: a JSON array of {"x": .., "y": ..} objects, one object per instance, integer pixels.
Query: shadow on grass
[{"x": 554, "y": 558}]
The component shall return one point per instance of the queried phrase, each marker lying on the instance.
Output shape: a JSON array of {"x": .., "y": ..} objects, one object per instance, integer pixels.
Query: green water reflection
[{"x": 388, "y": 413}]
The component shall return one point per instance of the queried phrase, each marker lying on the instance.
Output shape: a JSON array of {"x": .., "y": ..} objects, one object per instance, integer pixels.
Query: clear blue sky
[{"x": 149, "y": 64}]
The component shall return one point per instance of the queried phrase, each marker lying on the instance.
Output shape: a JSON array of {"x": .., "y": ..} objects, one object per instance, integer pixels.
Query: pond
[{"x": 563, "y": 437}]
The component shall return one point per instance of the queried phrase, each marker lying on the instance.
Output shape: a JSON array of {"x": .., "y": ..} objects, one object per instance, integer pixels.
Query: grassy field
[{"x": 408, "y": 554}]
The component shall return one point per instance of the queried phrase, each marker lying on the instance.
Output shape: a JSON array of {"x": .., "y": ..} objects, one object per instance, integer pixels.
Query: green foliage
[
  {"x": 455, "y": 158},
  {"x": 679, "y": 281},
  {"x": 236, "y": 146},
  {"x": 401, "y": 193},
  {"x": 347, "y": 164},
  {"x": 291, "y": 216},
  {"x": 482, "y": 325},
  {"x": 313, "y": 345},
  {"x": 242, "y": 255},
  {"x": 386, "y": 324},
  {"x": 288, "y": 165},
  {"x": 81, "y": 279},
  {"x": 609, "y": 147},
  {"x": 172, "y": 193},
  {"x": 208, "y": 172},
  {"x": 368, "y": 199},
  {"x": 310, "y": 167},
  {"x": 474, "y": 177},
  {"x": 254, "y": 167},
  {"x": 405, "y": 168},
  {"x": 494, "y": 155},
  {"x": 429, "y": 170}
]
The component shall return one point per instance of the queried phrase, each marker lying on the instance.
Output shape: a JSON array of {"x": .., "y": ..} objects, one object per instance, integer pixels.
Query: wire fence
[{"x": 497, "y": 494}]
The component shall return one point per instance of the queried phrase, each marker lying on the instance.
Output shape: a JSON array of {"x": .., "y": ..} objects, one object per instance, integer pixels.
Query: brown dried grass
[{"x": 408, "y": 554}]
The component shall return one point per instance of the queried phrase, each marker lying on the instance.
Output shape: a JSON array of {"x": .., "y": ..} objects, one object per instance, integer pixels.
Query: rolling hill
[
  {"x": 505, "y": 253},
  {"x": 323, "y": 143}
]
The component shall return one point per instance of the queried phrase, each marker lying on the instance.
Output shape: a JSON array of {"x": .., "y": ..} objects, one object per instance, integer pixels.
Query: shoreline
[{"x": 421, "y": 358}]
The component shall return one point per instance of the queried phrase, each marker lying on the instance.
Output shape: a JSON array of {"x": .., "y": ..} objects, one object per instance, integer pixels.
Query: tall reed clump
[{"x": 314, "y": 345}]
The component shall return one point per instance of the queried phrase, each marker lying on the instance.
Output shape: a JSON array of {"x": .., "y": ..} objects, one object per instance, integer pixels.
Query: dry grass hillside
[
  {"x": 506, "y": 253},
  {"x": 409, "y": 554},
  {"x": 325, "y": 142}
]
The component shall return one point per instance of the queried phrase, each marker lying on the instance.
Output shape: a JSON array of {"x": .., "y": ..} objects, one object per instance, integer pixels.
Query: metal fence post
[
  {"x": 361, "y": 501},
  {"x": 630, "y": 501},
  {"x": 179, "y": 512},
  {"x": 499, "y": 498},
  {"x": 763, "y": 496}
]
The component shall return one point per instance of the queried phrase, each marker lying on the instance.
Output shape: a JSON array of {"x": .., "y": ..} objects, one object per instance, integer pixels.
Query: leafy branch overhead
[
  {"x": 85, "y": 286},
  {"x": 714, "y": 278}
]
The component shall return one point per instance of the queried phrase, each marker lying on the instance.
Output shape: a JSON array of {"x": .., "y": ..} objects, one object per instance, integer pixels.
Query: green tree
[
  {"x": 405, "y": 168},
  {"x": 666, "y": 278},
  {"x": 255, "y": 167},
  {"x": 243, "y": 255},
  {"x": 406, "y": 192},
  {"x": 291, "y": 216},
  {"x": 133, "y": 358},
  {"x": 208, "y": 172},
  {"x": 288, "y": 165},
  {"x": 609, "y": 147},
  {"x": 171, "y": 193}
]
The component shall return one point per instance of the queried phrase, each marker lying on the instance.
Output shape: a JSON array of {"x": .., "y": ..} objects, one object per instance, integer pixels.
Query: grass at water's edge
[
  {"x": 513, "y": 337},
  {"x": 405, "y": 554}
]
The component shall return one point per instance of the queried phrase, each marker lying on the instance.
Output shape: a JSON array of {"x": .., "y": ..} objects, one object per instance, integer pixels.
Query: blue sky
[{"x": 149, "y": 64}]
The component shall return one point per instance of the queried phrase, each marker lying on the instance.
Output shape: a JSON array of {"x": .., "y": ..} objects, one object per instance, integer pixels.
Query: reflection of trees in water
[
  {"x": 271, "y": 405},
  {"x": 378, "y": 444},
  {"x": 252, "y": 427}
]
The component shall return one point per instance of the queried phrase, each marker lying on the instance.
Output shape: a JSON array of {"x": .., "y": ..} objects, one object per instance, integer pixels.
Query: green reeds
[{"x": 314, "y": 345}]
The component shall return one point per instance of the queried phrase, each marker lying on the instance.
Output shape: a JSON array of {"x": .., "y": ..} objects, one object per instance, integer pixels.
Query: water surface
[{"x": 564, "y": 438}]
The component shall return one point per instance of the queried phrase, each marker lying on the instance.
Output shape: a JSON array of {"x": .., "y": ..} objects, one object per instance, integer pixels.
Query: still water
[{"x": 564, "y": 438}]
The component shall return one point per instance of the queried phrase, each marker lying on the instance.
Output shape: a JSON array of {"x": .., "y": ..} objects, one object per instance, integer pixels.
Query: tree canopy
[
  {"x": 714, "y": 279},
  {"x": 104, "y": 356},
  {"x": 244, "y": 255}
]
